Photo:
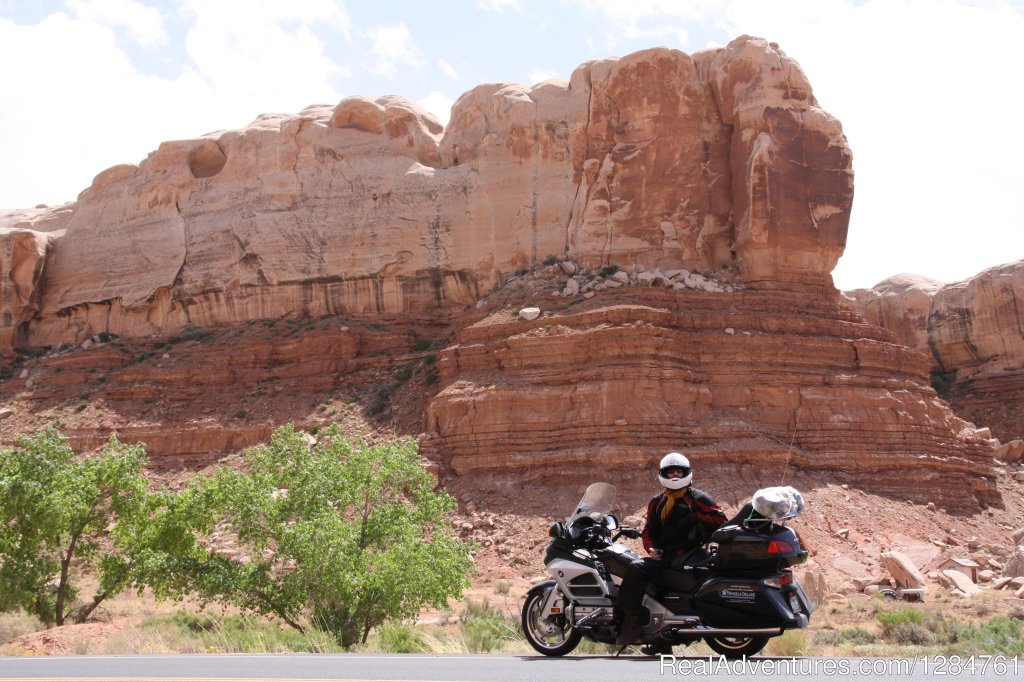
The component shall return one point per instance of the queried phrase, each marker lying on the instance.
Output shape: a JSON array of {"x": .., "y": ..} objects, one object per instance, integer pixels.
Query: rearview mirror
[{"x": 610, "y": 522}]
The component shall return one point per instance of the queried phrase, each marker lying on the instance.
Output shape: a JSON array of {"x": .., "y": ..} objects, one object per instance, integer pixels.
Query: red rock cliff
[
  {"x": 369, "y": 207},
  {"x": 973, "y": 332},
  {"x": 720, "y": 162}
]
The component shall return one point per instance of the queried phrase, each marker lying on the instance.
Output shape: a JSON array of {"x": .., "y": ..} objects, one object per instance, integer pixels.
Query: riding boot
[{"x": 629, "y": 631}]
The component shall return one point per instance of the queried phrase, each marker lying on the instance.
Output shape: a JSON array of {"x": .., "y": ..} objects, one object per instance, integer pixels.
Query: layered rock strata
[
  {"x": 972, "y": 330},
  {"x": 752, "y": 385},
  {"x": 720, "y": 162},
  {"x": 718, "y": 159}
]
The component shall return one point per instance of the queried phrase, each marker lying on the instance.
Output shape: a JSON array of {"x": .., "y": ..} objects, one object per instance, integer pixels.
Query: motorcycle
[{"x": 735, "y": 593}]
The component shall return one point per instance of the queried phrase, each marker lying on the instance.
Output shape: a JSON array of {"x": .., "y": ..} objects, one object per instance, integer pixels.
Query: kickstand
[{"x": 624, "y": 647}]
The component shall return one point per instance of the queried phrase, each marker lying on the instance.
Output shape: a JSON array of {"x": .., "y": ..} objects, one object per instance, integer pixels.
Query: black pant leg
[{"x": 631, "y": 592}]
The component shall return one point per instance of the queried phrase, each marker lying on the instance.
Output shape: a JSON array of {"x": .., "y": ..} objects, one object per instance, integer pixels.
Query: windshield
[{"x": 596, "y": 503}]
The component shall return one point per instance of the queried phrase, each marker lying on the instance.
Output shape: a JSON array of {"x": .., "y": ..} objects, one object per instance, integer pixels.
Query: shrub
[
  {"x": 609, "y": 270},
  {"x": 911, "y": 633},
  {"x": 185, "y": 632},
  {"x": 790, "y": 643},
  {"x": 1000, "y": 635},
  {"x": 551, "y": 259},
  {"x": 190, "y": 334},
  {"x": 483, "y": 635},
  {"x": 890, "y": 619},
  {"x": 857, "y": 636},
  {"x": 941, "y": 381},
  {"x": 422, "y": 344},
  {"x": 380, "y": 401},
  {"x": 401, "y": 639},
  {"x": 827, "y": 638}
]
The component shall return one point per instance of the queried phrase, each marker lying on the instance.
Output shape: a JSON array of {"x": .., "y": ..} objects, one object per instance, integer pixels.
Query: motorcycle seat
[{"x": 676, "y": 581}]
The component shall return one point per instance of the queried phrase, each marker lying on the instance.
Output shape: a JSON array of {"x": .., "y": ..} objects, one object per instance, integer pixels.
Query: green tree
[
  {"x": 337, "y": 535},
  {"x": 62, "y": 513}
]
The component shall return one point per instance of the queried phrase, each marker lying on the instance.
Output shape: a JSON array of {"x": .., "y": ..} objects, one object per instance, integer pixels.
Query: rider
[{"x": 680, "y": 519}]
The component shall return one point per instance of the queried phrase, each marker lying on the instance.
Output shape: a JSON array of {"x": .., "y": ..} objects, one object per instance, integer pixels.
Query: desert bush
[
  {"x": 185, "y": 632},
  {"x": 857, "y": 636},
  {"x": 401, "y": 639},
  {"x": 486, "y": 628},
  {"x": 910, "y": 633},
  {"x": 17, "y": 623},
  {"x": 790, "y": 643},
  {"x": 1000, "y": 635},
  {"x": 890, "y": 619}
]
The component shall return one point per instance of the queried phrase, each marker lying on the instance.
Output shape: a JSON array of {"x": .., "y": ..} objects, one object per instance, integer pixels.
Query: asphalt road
[{"x": 486, "y": 668}]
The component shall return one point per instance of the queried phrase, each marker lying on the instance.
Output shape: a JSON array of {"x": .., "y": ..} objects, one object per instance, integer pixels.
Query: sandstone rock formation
[
  {"x": 973, "y": 331},
  {"x": 798, "y": 386},
  {"x": 370, "y": 207},
  {"x": 656, "y": 163}
]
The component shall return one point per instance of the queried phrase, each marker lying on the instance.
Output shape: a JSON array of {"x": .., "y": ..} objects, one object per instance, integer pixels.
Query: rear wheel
[
  {"x": 736, "y": 647},
  {"x": 551, "y": 636}
]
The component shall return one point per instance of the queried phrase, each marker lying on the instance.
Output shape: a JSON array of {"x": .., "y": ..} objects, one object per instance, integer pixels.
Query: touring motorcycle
[{"x": 735, "y": 594}]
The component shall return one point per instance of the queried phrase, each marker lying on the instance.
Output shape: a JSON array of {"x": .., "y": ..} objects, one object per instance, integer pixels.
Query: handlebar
[{"x": 633, "y": 533}]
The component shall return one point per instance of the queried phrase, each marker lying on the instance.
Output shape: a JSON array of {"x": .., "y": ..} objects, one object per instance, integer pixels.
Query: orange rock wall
[
  {"x": 370, "y": 207},
  {"x": 762, "y": 382},
  {"x": 973, "y": 332}
]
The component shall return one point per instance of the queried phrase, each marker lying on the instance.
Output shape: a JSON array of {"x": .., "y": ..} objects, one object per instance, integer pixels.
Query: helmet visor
[{"x": 674, "y": 471}]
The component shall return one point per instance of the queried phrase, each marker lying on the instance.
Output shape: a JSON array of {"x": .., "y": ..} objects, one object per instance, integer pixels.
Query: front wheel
[
  {"x": 736, "y": 647},
  {"x": 551, "y": 636}
]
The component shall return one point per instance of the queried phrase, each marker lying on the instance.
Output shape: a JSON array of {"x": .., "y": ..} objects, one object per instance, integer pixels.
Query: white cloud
[
  {"x": 448, "y": 69},
  {"x": 393, "y": 45},
  {"x": 498, "y": 5},
  {"x": 439, "y": 105},
  {"x": 540, "y": 75},
  {"x": 143, "y": 24},
  {"x": 91, "y": 108},
  {"x": 267, "y": 53}
]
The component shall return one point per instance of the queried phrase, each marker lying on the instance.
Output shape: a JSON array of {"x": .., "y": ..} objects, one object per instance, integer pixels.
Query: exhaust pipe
[{"x": 704, "y": 630}]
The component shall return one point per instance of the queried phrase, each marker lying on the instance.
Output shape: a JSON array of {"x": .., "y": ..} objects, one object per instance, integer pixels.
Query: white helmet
[{"x": 674, "y": 460}]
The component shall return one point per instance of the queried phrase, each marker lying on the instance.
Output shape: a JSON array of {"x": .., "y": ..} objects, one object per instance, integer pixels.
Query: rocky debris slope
[
  {"x": 974, "y": 333},
  {"x": 369, "y": 207},
  {"x": 204, "y": 393}
]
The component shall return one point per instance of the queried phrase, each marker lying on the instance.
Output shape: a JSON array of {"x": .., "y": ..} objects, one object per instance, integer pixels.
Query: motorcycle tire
[
  {"x": 736, "y": 647},
  {"x": 552, "y": 636}
]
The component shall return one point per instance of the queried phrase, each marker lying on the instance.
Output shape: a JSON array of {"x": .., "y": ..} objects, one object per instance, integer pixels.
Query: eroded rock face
[
  {"x": 717, "y": 162},
  {"x": 370, "y": 207},
  {"x": 798, "y": 386},
  {"x": 973, "y": 331}
]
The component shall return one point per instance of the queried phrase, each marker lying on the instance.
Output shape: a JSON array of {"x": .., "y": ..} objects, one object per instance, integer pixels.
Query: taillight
[
  {"x": 777, "y": 581},
  {"x": 780, "y": 547}
]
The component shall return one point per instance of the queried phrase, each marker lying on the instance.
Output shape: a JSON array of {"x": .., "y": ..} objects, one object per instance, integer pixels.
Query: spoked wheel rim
[
  {"x": 736, "y": 643},
  {"x": 736, "y": 647},
  {"x": 552, "y": 635}
]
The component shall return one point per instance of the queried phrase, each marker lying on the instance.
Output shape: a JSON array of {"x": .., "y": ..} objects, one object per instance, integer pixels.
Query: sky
[{"x": 929, "y": 92}]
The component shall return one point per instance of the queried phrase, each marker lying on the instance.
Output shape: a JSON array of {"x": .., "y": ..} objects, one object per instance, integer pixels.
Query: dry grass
[{"x": 489, "y": 624}]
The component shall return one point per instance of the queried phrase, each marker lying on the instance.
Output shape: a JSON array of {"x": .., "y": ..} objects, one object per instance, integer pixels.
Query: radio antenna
[{"x": 789, "y": 453}]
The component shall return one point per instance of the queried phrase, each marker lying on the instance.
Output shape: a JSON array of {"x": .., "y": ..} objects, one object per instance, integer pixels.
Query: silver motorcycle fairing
[{"x": 580, "y": 582}]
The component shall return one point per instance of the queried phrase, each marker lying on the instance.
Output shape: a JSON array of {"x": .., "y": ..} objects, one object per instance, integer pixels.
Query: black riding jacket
[{"x": 689, "y": 525}]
